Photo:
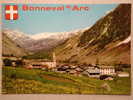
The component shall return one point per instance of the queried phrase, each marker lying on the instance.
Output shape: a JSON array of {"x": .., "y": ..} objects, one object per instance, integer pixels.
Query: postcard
[{"x": 66, "y": 49}]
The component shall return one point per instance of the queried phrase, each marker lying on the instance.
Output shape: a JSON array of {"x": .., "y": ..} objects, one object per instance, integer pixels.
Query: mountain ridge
[
  {"x": 40, "y": 41},
  {"x": 96, "y": 42},
  {"x": 9, "y": 47},
  {"x": 108, "y": 40}
]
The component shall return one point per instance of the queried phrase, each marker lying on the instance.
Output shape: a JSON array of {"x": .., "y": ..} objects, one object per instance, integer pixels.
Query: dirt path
[
  {"x": 48, "y": 77},
  {"x": 59, "y": 79}
]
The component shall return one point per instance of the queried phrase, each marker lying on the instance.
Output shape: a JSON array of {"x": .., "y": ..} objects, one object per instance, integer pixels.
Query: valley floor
[{"x": 34, "y": 81}]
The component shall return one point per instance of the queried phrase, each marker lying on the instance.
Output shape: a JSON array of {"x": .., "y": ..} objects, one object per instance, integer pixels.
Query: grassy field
[{"x": 31, "y": 81}]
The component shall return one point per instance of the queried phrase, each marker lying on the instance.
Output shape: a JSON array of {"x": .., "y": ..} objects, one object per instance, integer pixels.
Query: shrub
[{"x": 102, "y": 77}]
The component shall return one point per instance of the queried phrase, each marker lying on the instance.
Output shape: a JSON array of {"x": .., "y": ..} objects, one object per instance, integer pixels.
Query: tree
[
  {"x": 19, "y": 62},
  {"x": 7, "y": 62},
  {"x": 118, "y": 67}
]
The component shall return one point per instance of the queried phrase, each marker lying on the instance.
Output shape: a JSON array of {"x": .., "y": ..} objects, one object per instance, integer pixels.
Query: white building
[
  {"x": 41, "y": 63},
  {"x": 102, "y": 70},
  {"x": 93, "y": 72},
  {"x": 123, "y": 74},
  {"x": 107, "y": 70}
]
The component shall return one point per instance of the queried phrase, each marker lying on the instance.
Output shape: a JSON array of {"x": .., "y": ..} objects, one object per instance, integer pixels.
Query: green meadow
[{"x": 34, "y": 81}]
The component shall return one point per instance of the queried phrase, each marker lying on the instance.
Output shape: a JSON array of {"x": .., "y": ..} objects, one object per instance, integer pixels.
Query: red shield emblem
[{"x": 11, "y": 12}]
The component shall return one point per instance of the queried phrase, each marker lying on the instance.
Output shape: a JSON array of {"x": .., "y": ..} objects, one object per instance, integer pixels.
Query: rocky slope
[
  {"x": 11, "y": 48},
  {"x": 19, "y": 38},
  {"x": 107, "y": 41}
]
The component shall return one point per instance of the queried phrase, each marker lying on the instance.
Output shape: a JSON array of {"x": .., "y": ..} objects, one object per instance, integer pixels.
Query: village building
[
  {"x": 93, "y": 72},
  {"x": 123, "y": 74},
  {"x": 98, "y": 71},
  {"x": 73, "y": 67},
  {"x": 107, "y": 70},
  {"x": 41, "y": 63},
  {"x": 11, "y": 57},
  {"x": 72, "y": 71}
]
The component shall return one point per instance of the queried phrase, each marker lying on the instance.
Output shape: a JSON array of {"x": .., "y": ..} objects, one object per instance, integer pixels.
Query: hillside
[
  {"x": 40, "y": 55},
  {"x": 11, "y": 48},
  {"x": 107, "y": 41}
]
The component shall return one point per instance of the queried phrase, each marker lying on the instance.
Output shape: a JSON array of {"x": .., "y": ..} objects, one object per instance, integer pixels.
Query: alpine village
[{"x": 94, "y": 60}]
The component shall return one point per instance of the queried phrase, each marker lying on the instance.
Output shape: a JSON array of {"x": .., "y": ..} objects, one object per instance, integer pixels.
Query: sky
[{"x": 33, "y": 22}]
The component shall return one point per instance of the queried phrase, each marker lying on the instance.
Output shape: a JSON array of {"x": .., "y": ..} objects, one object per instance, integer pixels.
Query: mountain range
[
  {"x": 35, "y": 43},
  {"x": 108, "y": 41}
]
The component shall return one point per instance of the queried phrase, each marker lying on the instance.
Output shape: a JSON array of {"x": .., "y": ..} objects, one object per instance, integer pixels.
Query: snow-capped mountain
[
  {"x": 46, "y": 35},
  {"x": 55, "y": 35},
  {"x": 19, "y": 37},
  {"x": 40, "y": 41},
  {"x": 10, "y": 48}
]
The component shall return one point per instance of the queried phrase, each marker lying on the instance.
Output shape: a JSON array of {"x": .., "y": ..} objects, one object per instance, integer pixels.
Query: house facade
[
  {"x": 98, "y": 71},
  {"x": 93, "y": 72},
  {"x": 107, "y": 70},
  {"x": 41, "y": 63}
]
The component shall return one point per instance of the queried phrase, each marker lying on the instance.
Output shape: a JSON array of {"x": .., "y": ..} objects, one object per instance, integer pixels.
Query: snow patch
[
  {"x": 125, "y": 41},
  {"x": 57, "y": 35}
]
